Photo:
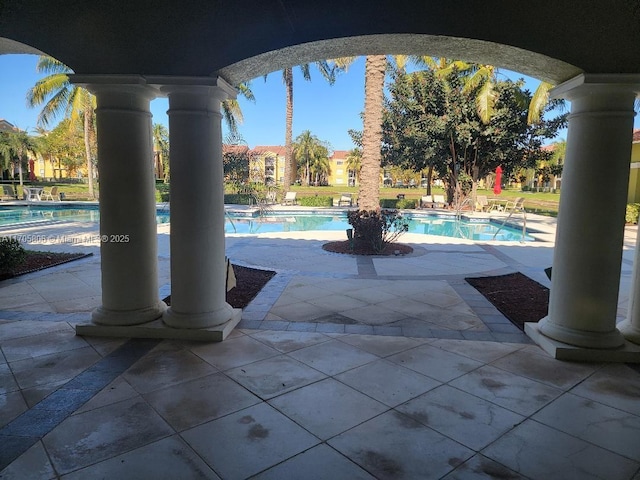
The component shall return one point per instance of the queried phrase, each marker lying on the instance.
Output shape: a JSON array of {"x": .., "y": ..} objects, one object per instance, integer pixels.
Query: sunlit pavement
[{"x": 342, "y": 367}]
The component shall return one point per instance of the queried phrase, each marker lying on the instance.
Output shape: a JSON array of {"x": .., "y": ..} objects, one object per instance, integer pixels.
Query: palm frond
[
  {"x": 306, "y": 74},
  {"x": 538, "y": 102},
  {"x": 485, "y": 102}
]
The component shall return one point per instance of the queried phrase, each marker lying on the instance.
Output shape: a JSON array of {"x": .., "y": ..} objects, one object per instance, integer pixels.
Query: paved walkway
[{"x": 342, "y": 367}]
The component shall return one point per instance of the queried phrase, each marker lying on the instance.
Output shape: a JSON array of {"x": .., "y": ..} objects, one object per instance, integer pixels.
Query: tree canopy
[{"x": 433, "y": 121}]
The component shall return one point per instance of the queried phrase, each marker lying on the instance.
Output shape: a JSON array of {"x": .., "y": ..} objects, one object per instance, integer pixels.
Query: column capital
[
  {"x": 116, "y": 84},
  {"x": 593, "y": 83},
  {"x": 215, "y": 87}
]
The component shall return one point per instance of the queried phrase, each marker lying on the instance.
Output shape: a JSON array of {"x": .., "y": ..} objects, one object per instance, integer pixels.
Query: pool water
[{"x": 432, "y": 225}]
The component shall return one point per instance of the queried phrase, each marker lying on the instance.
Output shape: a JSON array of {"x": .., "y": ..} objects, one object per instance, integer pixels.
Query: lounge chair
[
  {"x": 7, "y": 193},
  {"x": 290, "y": 199},
  {"x": 482, "y": 203},
  {"x": 346, "y": 199},
  {"x": 426, "y": 201},
  {"x": 514, "y": 206},
  {"x": 439, "y": 201},
  {"x": 51, "y": 194}
]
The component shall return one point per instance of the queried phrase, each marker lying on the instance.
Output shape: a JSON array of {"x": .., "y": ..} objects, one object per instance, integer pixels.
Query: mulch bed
[
  {"x": 249, "y": 282},
  {"x": 519, "y": 298},
  {"x": 36, "y": 260},
  {"x": 345, "y": 247}
]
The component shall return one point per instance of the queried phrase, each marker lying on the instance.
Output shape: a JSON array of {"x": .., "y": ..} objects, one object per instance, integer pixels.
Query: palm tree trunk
[
  {"x": 289, "y": 163},
  {"x": 87, "y": 149},
  {"x": 369, "y": 190}
]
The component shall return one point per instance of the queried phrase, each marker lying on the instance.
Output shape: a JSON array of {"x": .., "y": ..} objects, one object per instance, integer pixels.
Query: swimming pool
[{"x": 444, "y": 225}]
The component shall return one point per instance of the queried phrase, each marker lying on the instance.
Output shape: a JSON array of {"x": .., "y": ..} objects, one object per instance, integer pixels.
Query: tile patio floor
[{"x": 342, "y": 367}]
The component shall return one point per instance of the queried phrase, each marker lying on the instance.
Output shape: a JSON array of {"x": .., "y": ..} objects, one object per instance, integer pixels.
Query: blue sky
[{"x": 327, "y": 111}]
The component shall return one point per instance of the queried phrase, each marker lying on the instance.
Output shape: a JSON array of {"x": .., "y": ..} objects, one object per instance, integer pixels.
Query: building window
[
  {"x": 339, "y": 172},
  {"x": 339, "y": 162}
]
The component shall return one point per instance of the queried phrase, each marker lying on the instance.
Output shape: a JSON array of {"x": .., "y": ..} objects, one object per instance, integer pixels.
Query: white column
[
  {"x": 590, "y": 231},
  {"x": 198, "y": 268},
  {"x": 630, "y": 328},
  {"x": 128, "y": 230}
]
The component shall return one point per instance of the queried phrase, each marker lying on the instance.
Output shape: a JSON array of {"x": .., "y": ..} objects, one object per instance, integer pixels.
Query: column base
[
  {"x": 580, "y": 338},
  {"x": 198, "y": 320},
  {"x": 104, "y": 316},
  {"x": 629, "y": 331},
  {"x": 158, "y": 329},
  {"x": 627, "y": 352}
]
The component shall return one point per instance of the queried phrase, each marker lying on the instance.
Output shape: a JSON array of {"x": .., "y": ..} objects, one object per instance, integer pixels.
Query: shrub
[
  {"x": 388, "y": 202},
  {"x": 162, "y": 192},
  {"x": 406, "y": 203},
  {"x": 238, "y": 198},
  {"x": 376, "y": 229},
  {"x": 317, "y": 201},
  {"x": 11, "y": 254},
  {"x": 633, "y": 211}
]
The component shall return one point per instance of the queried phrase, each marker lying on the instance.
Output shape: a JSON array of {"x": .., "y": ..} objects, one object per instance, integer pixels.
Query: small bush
[
  {"x": 238, "y": 198},
  {"x": 162, "y": 192},
  {"x": 406, "y": 203},
  {"x": 376, "y": 229},
  {"x": 633, "y": 211},
  {"x": 388, "y": 202},
  {"x": 11, "y": 254},
  {"x": 317, "y": 201}
]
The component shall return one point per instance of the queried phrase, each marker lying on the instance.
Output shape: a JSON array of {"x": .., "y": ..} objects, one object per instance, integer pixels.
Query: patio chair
[
  {"x": 439, "y": 201},
  {"x": 7, "y": 193},
  {"x": 346, "y": 199},
  {"x": 51, "y": 194},
  {"x": 426, "y": 201},
  {"x": 514, "y": 206},
  {"x": 482, "y": 203},
  {"x": 290, "y": 199}
]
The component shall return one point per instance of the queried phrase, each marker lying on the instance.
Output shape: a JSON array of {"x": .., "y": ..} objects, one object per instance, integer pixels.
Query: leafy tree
[
  {"x": 433, "y": 121},
  {"x": 60, "y": 97},
  {"x": 236, "y": 158}
]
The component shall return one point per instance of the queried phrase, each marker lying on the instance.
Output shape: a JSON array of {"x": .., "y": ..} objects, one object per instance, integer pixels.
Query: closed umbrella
[{"x": 497, "y": 188}]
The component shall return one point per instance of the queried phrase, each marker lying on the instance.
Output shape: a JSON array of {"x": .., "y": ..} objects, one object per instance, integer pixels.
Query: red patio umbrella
[
  {"x": 497, "y": 188},
  {"x": 32, "y": 173}
]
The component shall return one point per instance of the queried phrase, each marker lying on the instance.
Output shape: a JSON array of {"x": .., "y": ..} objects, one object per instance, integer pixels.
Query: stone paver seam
[{"x": 32, "y": 425}]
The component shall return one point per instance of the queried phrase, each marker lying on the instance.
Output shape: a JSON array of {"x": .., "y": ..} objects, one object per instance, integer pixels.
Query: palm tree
[
  {"x": 485, "y": 77},
  {"x": 231, "y": 112},
  {"x": 354, "y": 163},
  {"x": 60, "y": 97},
  {"x": 328, "y": 74},
  {"x": 160, "y": 135},
  {"x": 375, "y": 73},
  {"x": 15, "y": 148},
  {"x": 369, "y": 190},
  {"x": 312, "y": 154}
]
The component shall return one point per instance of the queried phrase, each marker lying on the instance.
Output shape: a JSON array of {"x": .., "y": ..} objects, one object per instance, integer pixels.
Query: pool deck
[{"x": 342, "y": 367}]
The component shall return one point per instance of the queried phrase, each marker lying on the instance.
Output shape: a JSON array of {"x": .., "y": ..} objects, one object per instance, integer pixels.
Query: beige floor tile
[
  {"x": 44, "y": 344},
  {"x": 393, "y": 445},
  {"x": 327, "y": 408},
  {"x": 286, "y": 342},
  {"x": 435, "y": 363},
  {"x": 103, "y": 433},
  {"x": 387, "y": 382},
  {"x": 167, "y": 458},
  {"x": 518, "y": 394},
  {"x": 233, "y": 352},
  {"x": 465, "y": 418},
  {"x": 540, "y": 452},
  {"x": 382, "y": 346},
  {"x": 615, "y": 385},
  {"x": 595, "y": 423},
  {"x": 333, "y": 357},
  {"x": 34, "y": 463},
  {"x": 249, "y": 441},
  {"x": 198, "y": 401}
]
